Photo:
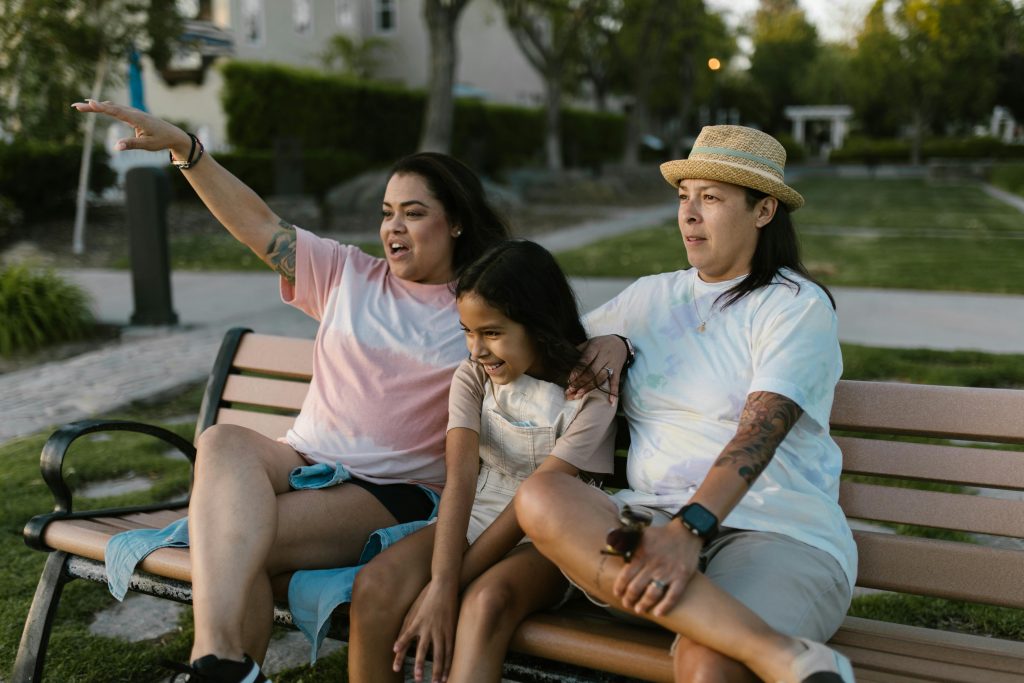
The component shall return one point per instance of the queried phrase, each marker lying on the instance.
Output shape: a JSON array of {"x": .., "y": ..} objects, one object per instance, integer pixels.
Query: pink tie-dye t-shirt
[{"x": 383, "y": 362}]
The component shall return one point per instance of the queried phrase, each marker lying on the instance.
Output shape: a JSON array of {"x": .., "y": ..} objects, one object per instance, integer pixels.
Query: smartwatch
[{"x": 699, "y": 520}]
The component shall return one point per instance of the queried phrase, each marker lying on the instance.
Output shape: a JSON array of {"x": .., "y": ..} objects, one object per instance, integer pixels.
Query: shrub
[
  {"x": 1010, "y": 177},
  {"x": 873, "y": 151},
  {"x": 380, "y": 122},
  {"x": 795, "y": 152},
  {"x": 38, "y": 308},
  {"x": 10, "y": 220},
  {"x": 322, "y": 170},
  {"x": 41, "y": 178}
]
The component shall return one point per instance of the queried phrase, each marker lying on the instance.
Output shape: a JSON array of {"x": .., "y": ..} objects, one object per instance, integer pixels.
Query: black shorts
[{"x": 405, "y": 502}]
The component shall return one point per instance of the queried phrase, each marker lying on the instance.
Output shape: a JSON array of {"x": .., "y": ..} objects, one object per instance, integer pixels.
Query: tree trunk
[
  {"x": 553, "y": 119},
  {"x": 442, "y": 19},
  {"x": 918, "y": 133},
  {"x": 686, "y": 78},
  {"x": 78, "y": 238}
]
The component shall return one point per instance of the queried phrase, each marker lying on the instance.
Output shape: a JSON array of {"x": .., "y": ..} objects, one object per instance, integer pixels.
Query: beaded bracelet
[{"x": 193, "y": 158}]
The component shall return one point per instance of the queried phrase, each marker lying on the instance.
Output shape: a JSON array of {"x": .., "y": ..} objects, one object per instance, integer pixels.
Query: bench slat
[
  {"x": 945, "y": 569},
  {"x": 261, "y": 391},
  {"x": 941, "y": 646},
  {"x": 949, "y": 412},
  {"x": 598, "y": 643},
  {"x": 960, "y": 512},
  {"x": 272, "y": 355},
  {"x": 267, "y": 424},
  {"x": 949, "y": 464}
]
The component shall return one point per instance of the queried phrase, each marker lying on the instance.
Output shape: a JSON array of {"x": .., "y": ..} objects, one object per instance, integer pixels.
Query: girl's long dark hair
[
  {"x": 777, "y": 248},
  {"x": 465, "y": 203},
  {"x": 522, "y": 280}
]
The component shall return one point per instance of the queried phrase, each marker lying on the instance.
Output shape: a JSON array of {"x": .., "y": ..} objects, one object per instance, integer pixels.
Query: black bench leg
[{"x": 28, "y": 666}]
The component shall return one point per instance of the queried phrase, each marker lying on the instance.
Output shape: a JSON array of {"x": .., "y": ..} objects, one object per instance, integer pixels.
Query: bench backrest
[{"x": 951, "y": 437}]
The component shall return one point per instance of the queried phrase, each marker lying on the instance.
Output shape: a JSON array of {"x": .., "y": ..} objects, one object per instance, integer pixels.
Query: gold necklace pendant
[{"x": 701, "y": 327}]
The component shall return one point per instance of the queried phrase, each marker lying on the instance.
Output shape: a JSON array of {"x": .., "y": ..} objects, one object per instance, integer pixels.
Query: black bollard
[{"x": 148, "y": 193}]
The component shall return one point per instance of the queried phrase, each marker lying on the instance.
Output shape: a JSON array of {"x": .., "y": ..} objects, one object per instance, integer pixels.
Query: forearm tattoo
[
  {"x": 764, "y": 423},
  {"x": 281, "y": 251}
]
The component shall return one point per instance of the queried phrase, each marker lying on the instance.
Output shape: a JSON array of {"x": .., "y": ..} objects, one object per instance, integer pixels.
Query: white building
[{"x": 296, "y": 32}]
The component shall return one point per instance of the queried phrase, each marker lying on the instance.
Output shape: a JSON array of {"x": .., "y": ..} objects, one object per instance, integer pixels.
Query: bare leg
[
  {"x": 383, "y": 592},
  {"x": 708, "y": 616},
  {"x": 698, "y": 664},
  {"x": 494, "y": 605},
  {"x": 246, "y": 525}
]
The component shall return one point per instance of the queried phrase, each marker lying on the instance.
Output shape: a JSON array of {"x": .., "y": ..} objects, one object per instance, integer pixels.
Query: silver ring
[
  {"x": 609, "y": 371},
  {"x": 660, "y": 585}
]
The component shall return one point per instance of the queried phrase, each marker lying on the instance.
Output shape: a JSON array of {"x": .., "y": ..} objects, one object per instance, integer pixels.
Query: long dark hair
[
  {"x": 522, "y": 280},
  {"x": 777, "y": 248},
  {"x": 465, "y": 203}
]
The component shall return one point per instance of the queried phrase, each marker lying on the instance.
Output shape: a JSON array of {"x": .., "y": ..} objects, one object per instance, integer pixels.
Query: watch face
[{"x": 699, "y": 519}]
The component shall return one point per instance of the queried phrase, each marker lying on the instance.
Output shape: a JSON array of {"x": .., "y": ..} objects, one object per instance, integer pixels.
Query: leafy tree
[
  {"x": 52, "y": 50},
  {"x": 935, "y": 61},
  {"x": 355, "y": 57},
  {"x": 547, "y": 31},
  {"x": 1010, "y": 83},
  {"x": 785, "y": 44},
  {"x": 442, "y": 17},
  {"x": 879, "y": 80}
]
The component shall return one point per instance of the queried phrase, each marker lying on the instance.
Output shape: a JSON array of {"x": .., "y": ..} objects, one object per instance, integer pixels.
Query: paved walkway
[{"x": 148, "y": 362}]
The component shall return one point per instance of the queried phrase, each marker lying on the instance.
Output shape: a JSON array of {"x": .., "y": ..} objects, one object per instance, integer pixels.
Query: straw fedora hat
[{"x": 738, "y": 155}]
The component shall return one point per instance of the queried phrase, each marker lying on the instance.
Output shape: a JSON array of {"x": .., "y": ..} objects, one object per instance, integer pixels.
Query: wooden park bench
[{"x": 259, "y": 381}]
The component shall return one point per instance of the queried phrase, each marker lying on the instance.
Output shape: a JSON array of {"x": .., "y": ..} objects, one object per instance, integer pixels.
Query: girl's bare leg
[
  {"x": 568, "y": 521},
  {"x": 245, "y": 526},
  {"x": 494, "y": 605},
  {"x": 383, "y": 592},
  {"x": 699, "y": 664}
]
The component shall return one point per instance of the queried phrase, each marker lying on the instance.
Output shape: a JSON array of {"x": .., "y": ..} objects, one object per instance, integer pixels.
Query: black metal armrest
[{"x": 52, "y": 463}]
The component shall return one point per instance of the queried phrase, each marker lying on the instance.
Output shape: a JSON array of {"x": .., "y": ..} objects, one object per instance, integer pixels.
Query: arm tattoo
[
  {"x": 281, "y": 251},
  {"x": 766, "y": 419}
]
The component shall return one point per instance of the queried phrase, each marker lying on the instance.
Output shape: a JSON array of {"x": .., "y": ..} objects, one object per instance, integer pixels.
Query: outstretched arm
[
  {"x": 232, "y": 202},
  {"x": 668, "y": 555}
]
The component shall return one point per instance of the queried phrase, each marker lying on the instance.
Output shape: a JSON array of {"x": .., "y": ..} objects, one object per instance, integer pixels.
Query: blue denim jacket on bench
[{"x": 313, "y": 594}]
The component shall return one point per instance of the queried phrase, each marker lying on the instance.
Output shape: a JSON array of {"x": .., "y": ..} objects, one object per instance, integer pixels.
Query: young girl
[{"x": 507, "y": 408}]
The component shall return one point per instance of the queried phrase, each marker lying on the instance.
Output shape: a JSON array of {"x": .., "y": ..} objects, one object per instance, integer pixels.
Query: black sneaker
[{"x": 213, "y": 669}]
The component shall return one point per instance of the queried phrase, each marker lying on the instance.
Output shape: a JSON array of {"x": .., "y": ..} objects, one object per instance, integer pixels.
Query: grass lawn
[
  {"x": 906, "y": 234},
  {"x": 76, "y": 655}
]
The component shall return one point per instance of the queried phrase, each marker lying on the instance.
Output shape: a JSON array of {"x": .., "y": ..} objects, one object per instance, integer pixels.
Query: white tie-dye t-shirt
[
  {"x": 685, "y": 393},
  {"x": 383, "y": 361}
]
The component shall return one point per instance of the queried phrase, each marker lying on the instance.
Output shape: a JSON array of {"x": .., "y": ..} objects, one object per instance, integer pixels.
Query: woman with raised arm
[
  {"x": 385, "y": 352},
  {"x": 747, "y": 556}
]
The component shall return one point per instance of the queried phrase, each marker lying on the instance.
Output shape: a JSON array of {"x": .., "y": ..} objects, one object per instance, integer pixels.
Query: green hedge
[
  {"x": 381, "y": 123},
  {"x": 866, "y": 150},
  {"x": 322, "y": 170},
  {"x": 41, "y": 178},
  {"x": 1010, "y": 177}
]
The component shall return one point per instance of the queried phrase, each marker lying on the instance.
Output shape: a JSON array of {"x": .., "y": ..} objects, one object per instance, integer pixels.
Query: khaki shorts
[{"x": 797, "y": 589}]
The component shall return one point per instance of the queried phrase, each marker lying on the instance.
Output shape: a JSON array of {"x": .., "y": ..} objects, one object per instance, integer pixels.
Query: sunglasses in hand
[{"x": 622, "y": 541}]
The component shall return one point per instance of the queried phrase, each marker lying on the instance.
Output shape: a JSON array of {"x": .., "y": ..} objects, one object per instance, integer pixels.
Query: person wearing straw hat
[{"x": 747, "y": 556}]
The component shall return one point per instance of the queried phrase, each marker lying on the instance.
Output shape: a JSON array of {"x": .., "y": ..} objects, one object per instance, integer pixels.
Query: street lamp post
[{"x": 714, "y": 64}]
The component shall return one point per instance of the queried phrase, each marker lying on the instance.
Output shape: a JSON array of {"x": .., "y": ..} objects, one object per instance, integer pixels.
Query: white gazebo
[{"x": 837, "y": 116}]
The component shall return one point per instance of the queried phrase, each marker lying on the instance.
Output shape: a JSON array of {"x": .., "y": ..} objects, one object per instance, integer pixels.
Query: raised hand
[{"x": 151, "y": 133}]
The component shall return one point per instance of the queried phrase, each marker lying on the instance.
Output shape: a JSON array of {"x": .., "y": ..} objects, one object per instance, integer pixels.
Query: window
[
  {"x": 385, "y": 16},
  {"x": 302, "y": 17},
  {"x": 345, "y": 13},
  {"x": 254, "y": 27}
]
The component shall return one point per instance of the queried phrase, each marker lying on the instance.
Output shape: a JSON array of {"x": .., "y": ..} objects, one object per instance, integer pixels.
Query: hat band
[
  {"x": 743, "y": 167},
  {"x": 725, "y": 151}
]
